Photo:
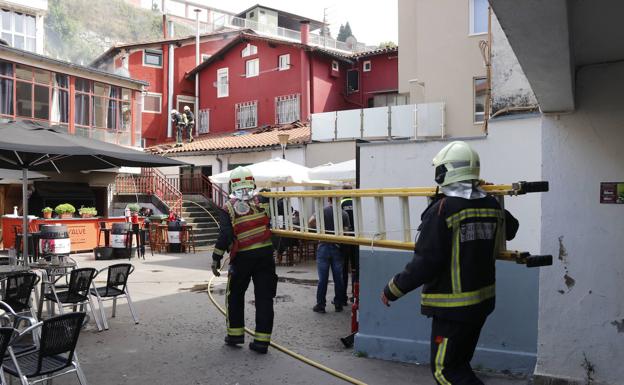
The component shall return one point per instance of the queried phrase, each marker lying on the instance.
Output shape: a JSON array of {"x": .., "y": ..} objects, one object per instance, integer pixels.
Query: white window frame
[
  {"x": 205, "y": 56},
  {"x": 203, "y": 121},
  {"x": 154, "y": 51},
  {"x": 220, "y": 73},
  {"x": 471, "y": 14},
  {"x": 283, "y": 62},
  {"x": 474, "y": 101},
  {"x": 249, "y": 50},
  {"x": 335, "y": 66},
  {"x": 255, "y": 65},
  {"x": 183, "y": 100},
  {"x": 365, "y": 64},
  {"x": 24, "y": 35},
  {"x": 246, "y": 107},
  {"x": 287, "y": 108},
  {"x": 157, "y": 95}
]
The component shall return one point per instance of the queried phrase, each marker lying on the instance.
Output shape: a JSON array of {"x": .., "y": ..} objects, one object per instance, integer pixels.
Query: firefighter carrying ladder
[{"x": 381, "y": 236}]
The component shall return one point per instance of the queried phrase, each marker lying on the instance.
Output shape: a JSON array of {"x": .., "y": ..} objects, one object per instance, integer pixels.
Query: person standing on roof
[
  {"x": 177, "y": 119},
  {"x": 245, "y": 233},
  {"x": 454, "y": 258},
  {"x": 190, "y": 122}
]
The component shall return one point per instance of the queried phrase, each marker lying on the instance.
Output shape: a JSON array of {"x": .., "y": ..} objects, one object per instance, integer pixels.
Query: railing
[
  {"x": 151, "y": 182},
  {"x": 199, "y": 184},
  {"x": 406, "y": 121}
]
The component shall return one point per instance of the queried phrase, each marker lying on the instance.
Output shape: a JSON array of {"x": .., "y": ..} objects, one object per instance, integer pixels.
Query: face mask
[{"x": 243, "y": 194}]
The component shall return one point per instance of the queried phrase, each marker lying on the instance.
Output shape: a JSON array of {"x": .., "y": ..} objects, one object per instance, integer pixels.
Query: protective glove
[{"x": 216, "y": 266}]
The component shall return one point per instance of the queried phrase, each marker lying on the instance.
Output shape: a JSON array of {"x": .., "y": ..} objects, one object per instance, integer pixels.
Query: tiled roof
[
  {"x": 374, "y": 52},
  {"x": 248, "y": 139}
]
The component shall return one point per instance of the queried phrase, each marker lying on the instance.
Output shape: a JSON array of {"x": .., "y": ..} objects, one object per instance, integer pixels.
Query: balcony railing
[
  {"x": 406, "y": 121},
  {"x": 151, "y": 182}
]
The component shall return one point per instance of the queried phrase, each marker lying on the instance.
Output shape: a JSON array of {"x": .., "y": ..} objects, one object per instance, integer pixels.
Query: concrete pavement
[{"x": 180, "y": 336}]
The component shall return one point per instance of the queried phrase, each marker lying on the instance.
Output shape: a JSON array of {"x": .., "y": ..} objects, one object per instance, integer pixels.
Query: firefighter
[
  {"x": 177, "y": 120},
  {"x": 454, "y": 259},
  {"x": 350, "y": 253},
  {"x": 245, "y": 233},
  {"x": 190, "y": 123}
]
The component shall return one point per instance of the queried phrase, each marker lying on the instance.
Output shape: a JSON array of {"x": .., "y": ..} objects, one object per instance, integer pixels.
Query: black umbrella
[{"x": 26, "y": 145}]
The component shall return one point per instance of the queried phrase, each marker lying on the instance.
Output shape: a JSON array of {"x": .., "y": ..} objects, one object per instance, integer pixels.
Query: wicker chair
[
  {"x": 55, "y": 356},
  {"x": 116, "y": 286},
  {"x": 77, "y": 293},
  {"x": 18, "y": 289}
]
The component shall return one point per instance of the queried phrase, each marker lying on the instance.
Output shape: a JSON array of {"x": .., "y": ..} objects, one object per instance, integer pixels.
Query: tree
[
  {"x": 344, "y": 32},
  {"x": 387, "y": 44}
]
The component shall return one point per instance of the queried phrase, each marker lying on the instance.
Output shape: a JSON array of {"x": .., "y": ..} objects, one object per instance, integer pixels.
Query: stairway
[{"x": 206, "y": 230}]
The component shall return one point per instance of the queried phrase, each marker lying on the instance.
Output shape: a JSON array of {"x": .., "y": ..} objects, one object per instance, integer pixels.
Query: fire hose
[{"x": 287, "y": 351}]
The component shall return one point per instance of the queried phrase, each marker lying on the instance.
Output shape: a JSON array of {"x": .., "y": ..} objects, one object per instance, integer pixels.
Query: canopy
[
  {"x": 15, "y": 176},
  {"x": 26, "y": 146},
  {"x": 339, "y": 172},
  {"x": 276, "y": 172}
]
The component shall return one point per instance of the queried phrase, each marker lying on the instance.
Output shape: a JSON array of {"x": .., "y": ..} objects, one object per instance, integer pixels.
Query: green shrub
[
  {"x": 47, "y": 210},
  {"x": 87, "y": 211},
  {"x": 133, "y": 207},
  {"x": 65, "y": 208}
]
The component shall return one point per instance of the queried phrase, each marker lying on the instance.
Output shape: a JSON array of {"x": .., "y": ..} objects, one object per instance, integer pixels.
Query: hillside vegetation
[{"x": 80, "y": 30}]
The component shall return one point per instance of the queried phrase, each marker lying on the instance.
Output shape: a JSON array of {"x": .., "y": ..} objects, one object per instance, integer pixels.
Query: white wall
[{"x": 585, "y": 317}]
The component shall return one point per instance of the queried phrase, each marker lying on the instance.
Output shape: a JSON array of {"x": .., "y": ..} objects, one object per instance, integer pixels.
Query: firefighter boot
[
  {"x": 234, "y": 340},
  {"x": 260, "y": 347}
]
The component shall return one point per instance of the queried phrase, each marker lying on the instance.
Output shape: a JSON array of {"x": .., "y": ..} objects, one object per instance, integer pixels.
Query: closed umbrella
[
  {"x": 338, "y": 172},
  {"x": 32, "y": 146}
]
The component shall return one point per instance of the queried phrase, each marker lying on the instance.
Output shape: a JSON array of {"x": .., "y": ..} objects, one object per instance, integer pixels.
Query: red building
[{"x": 255, "y": 81}]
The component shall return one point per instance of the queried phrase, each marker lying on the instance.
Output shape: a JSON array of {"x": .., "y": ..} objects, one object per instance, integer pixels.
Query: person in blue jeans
[{"x": 328, "y": 256}]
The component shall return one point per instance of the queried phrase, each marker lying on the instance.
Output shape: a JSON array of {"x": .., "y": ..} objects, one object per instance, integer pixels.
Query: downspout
[
  {"x": 170, "y": 83},
  {"x": 196, "y": 112},
  {"x": 486, "y": 52},
  {"x": 311, "y": 94}
]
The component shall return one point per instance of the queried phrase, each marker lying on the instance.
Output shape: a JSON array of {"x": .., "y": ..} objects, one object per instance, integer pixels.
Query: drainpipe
[
  {"x": 305, "y": 71},
  {"x": 170, "y": 83},
  {"x": 197, "y": 59}
]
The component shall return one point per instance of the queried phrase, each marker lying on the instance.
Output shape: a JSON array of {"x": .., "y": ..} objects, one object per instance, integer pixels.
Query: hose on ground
[{"x": 296, "y": 356}]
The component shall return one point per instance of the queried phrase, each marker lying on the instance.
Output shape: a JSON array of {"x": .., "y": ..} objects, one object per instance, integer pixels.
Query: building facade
[
  {"x": 77, "y": 99},
  {"x": 21, "y": 24}
]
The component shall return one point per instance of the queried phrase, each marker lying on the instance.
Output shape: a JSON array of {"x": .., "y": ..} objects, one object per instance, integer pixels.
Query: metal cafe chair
[
  {"x": 17, "y": 292},
  {"x": 55, "y": 354},
  {"x": 77, "y": 293},
  {"x": 116, "y": 287},
  {"x": 6, "y": 335}
]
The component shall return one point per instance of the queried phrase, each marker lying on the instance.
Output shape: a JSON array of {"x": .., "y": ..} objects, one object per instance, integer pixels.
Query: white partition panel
[
  {"x": 430, "y": 120},
  {"x": 403, "y": 121},
  {"x": 375, "y": 122},
  {"x": 323, "y": 126},
  {"x": 349, "y": 124}
]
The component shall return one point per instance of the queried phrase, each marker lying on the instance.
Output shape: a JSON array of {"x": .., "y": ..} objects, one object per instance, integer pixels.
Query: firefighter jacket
[
  {"x": 190, "y": 118},
  {"x": 455, "y": 258},
  {"x": 244, "y": 225}
]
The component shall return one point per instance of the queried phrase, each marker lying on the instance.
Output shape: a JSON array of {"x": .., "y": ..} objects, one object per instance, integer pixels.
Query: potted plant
[
  {"x": 47, "y": 212},
  {"x": 87, "y": 212},
  {"x": 134, "y": 212},
  {"x": 65, "y": 210}
]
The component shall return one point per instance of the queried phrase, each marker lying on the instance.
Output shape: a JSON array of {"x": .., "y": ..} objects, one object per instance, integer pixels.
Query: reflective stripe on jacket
[{"x": 251, "y": 230}]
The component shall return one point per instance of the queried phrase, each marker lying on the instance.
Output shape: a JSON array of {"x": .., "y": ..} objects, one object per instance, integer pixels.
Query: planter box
[{"x": 66, "y": 216}]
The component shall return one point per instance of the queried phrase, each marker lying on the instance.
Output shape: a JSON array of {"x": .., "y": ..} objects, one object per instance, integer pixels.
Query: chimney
[{"x": 305, "y": 31}]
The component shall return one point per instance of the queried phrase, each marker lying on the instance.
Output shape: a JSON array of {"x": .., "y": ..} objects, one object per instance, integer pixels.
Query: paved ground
[{"x": 180, "y": 337}]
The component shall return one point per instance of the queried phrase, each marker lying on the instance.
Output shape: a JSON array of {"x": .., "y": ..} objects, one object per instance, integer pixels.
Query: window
[
  {"x": 222, "y": 83},
  {"x": 32, "y": 92},
  {"x": 203, "y": 120},
  {"x": 6, "y": 88},
  {"x": 335, "y": 66},
  {"x": 19, "y": 30},
  {"x": 152, "y": 103},
  {"x": 287, "y": 109},
  {"x": 205, "y": 56},
  {"x": 284, "y": 62},
  {"x": 353, "y": 81},
  {"x": 152, "y": 58},
  {"x": 183, "y": 100},
  {"x": 252, "y": 68},
  {"x": 60, "y": 99},
  {"x": 367, "y": 66},
  {"x": 392, "y": 99},
  {"x": 480, "y": 92},
  {"x": 249, "y": 50},
  {"x": 247, "y": 115},
  {"x": 478, "y": 17}
]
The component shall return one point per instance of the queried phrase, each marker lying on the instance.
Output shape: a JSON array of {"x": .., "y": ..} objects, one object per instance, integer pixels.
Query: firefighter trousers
[
  {"x": 257, "y": 265},
  {"x": 452, "y": 346}
]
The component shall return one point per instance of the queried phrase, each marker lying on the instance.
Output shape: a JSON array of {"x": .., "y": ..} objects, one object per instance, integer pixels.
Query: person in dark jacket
[
  {"x": 244, "y": 232},
  {"x": 189, "y": 120},
  {"x": 177, "y": 120},
  {"x": 454, "y": 258}
]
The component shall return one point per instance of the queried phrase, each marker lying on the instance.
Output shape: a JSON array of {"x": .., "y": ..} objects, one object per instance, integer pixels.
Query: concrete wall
[
  {"x": 437, "y": 49},
  {"x": 581, "y": 313},
  {"x": 510, "y": 87},
  {"x": 509, "y": 339},
  {"x": 335, "y": 152}
]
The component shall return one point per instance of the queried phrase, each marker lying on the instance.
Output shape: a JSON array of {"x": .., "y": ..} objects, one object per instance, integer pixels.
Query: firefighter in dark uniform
[
  {"x": 350, "y": 253},
  {"x": 177, "y": 120},
  {"x": 245, "y": 233},
  {"x": 189, "y": 119},
  {"x": 454, "y": 259}
]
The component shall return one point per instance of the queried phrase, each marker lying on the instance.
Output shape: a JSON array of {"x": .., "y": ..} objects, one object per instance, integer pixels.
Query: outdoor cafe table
[{"x": 49, "y": 272}]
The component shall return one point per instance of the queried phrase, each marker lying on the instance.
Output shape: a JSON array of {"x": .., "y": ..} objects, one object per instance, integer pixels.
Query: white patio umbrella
[
  {"x": 339, "y": 172},
  {"x": 276, "y": 172}
]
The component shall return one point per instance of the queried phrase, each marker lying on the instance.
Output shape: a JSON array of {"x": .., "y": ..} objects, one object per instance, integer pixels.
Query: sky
[{"x": 371, "y": 21}]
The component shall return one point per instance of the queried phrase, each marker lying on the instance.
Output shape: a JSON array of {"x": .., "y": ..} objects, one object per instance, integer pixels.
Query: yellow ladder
[{"x": 284, "y": 226}]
